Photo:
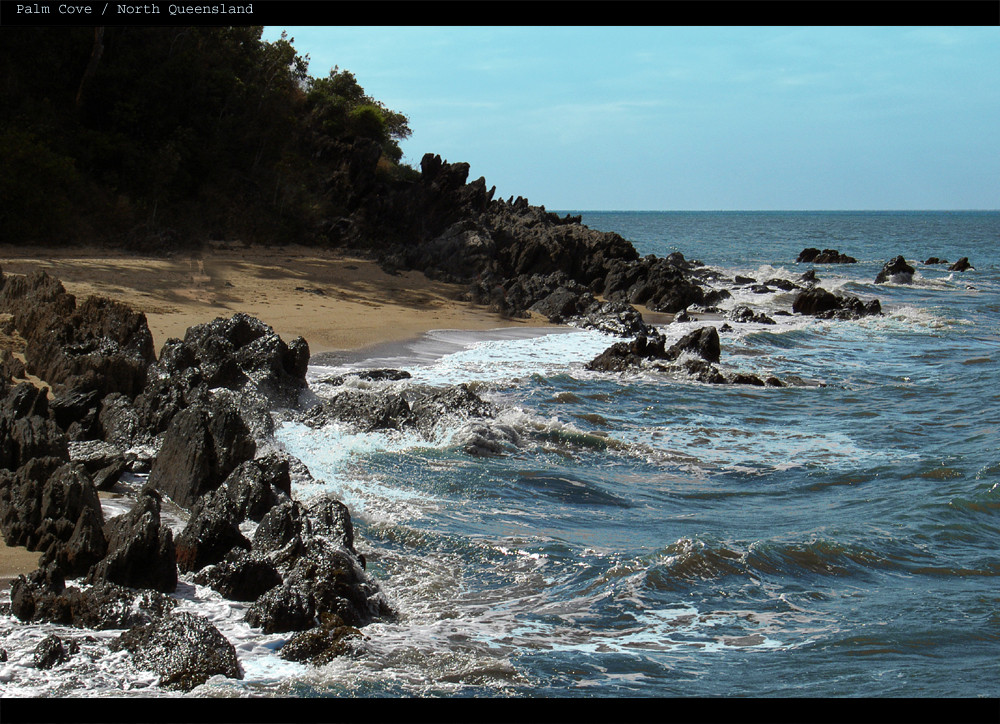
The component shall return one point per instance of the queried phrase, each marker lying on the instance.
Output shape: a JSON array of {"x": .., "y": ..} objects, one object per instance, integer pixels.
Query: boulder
[
  {"x": 897, "y": 271},
  {"x": 961, "y": 265},
  {"x": 49, "y": 653},
  {"x": 744, "y": 314},
  {"x": 240, "y": 576},
  {"x": 321, "y": 644},
  {"x": 822, "y": 304},
  {"x": 184, "y": 649}
]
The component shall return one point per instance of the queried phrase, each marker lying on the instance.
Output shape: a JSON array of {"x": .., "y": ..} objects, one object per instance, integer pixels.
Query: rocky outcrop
[
  {"x": 897, "y": 271},
  {"x": 204, "y": 443},
  {"x": 368, "y": 410},
  {"x": 820, "y": 303},
  {"x": 961, "y": 265},
  {"x": 43, "y": 596},
  {"x": 826, "y": 256},
  {"x": 695, "y": 354},
  {"x": 456, "y": 231},
  {"x": 141, "y": 551},
  {"x": 101, "y": 346}
]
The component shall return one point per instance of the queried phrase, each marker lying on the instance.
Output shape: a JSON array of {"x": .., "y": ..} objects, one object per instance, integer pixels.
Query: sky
[{"x": 675, "y": 118}]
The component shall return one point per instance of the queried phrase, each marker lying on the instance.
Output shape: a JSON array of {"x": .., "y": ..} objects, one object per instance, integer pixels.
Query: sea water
[{"x": 644, "y": 534}]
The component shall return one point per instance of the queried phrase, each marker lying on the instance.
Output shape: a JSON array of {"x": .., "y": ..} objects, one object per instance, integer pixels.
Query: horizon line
[{"x": 783, "y": 211}]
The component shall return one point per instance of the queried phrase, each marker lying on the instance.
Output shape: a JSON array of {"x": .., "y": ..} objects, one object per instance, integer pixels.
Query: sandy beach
[{"x": 337, "y": 302}]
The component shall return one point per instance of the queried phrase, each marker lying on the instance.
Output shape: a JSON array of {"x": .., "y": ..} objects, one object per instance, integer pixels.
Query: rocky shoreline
[{"x": 86, "y": 403}]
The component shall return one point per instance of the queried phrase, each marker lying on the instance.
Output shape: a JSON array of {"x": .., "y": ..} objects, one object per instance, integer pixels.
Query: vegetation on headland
[{"x": 153, "y": 137}]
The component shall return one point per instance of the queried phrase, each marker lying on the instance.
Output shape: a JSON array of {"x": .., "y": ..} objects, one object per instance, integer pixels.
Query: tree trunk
[{"x": 95, "y": 58}]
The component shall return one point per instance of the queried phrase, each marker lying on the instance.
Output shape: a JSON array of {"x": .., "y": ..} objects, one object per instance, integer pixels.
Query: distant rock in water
[
  {"x": 743, "y": 313},
  {"x": 827, "y": 256},
  {"x": 961, "y": 265},
  {"x": 935, "y": 260},
  {"x": 897, "y": 271},
  {"x": 820, "y": 303}
]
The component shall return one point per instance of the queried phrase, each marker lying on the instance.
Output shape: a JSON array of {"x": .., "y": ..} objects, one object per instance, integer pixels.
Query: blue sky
[{"x": 677, "y": 118}]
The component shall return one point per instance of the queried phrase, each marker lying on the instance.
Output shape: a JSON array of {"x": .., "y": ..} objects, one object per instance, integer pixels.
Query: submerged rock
[{"x": 321, "y": 644}]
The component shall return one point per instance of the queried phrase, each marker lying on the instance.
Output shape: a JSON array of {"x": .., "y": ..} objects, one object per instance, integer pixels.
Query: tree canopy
[{"x": 144, "y": 135}]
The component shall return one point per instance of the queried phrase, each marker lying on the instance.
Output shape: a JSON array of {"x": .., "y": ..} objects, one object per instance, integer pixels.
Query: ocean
[{"x": 646, "y": 535}]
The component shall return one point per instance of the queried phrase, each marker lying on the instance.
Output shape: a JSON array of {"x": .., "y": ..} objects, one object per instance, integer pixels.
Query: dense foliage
[{"x": 154, "y": 135}]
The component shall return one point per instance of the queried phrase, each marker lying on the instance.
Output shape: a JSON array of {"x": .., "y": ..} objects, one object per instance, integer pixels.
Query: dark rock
[
  {"x": 703, "y": 342},
  {"x": 241, "y": 354},
  {"x": 372, "y": 375},
  {"x": 284, "y": 527},
  {"x": 428, "y": 407},
  {"x": 704, "y": 371},
  {"x": 282, "y": 608},
  {"x": 185, "y": 650},
  {"x": 141, "y": 551},
  {"x": 10, "y": 366},
  {"x": 53, "y": 507},
  {"x": 614, "y": 318},
  {"x": 626, "y": 355},
  {"x": 74, "y": 406},
  {"x": 101, "y": 345},
  {"x": 935, "y": 260},
  {"x": 809, "y": 277},
  {"x": 211, "y": 533},
  {"x": 783, "y": 284},
  {"x": 827, "y": 256},
  {"x": 825, "y": 305},
  {"x": 366, "y": 410},
  {"x": 961, "y": 265},
  {"x": 240, "y": 576},
  {"x": 331, "y": 519},
  {"x": 321, "y": 644},
  {"x": 107, "y": 477},
  {"x": 897, "y": 271},
  {"x": 118, "y": 421},
  {"x": 49, "y": 653},
  {"x": 744, "y": 314},
  {"x": 257, "y": 485},
  {"x": 39, "y": 598},
  {"x": 202, "y": 446},
  {"x": 741, "y": 280},
  {"x": 745, "y": 378}
]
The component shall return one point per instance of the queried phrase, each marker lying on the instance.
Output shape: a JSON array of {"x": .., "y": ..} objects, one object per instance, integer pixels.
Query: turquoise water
[
  {"x": 647, "y": 535},
  {"x": 652, "y": 536}
]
